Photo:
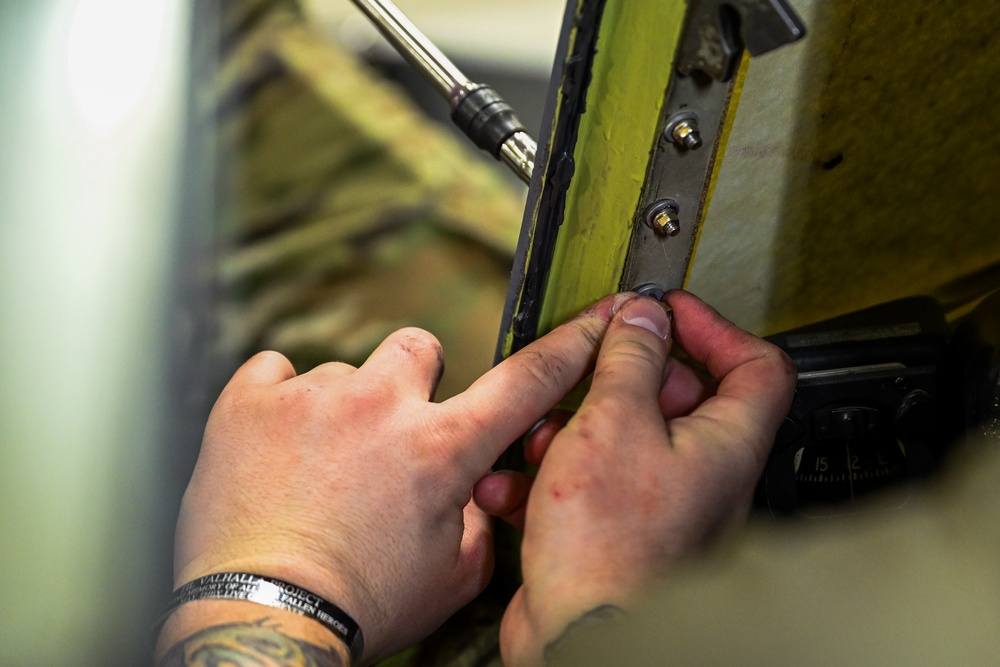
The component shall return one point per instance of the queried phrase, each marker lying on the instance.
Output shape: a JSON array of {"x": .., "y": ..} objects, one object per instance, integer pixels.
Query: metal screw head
[
  {"x": 686, "y": 133},
  {"x": 663, "y": 217},
  {"x": 650, "y": 290},
  {"x": 667, "y": 223},
  {"x": 682, "y": 129}
]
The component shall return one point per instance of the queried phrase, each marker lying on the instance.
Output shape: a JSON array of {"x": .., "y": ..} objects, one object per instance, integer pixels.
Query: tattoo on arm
[
  {"x": 606, "y": 613},
  {"x": 244, "y": 644}
]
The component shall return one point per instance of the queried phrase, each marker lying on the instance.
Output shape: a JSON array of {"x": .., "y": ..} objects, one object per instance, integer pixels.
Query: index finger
[{"x": 511, "y": 397}]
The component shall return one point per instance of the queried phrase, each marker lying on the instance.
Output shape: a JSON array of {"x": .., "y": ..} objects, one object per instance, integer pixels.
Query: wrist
[
  {"x": 331, "y": 583},
  {"x": 235, "y": 629},
  {"x": 267, "y": 597},
  {"x": 559, "y": 650},
  {"x": 553, "y": 641},
  {"x": 538, "y": 624}
]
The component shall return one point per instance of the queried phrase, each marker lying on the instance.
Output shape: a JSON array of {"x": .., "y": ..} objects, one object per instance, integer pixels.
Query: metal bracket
[
  {"x": 718, "y": 30},
  {"x": 680, "y": 168}
]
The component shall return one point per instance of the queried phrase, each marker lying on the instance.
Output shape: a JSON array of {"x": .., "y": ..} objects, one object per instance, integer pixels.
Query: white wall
[
  {"x": 514, "y": 35},
  {"x": 90, "y": 142}
]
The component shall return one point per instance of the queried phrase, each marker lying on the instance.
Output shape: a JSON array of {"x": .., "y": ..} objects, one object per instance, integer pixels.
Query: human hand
[
  {"x": 656, "y": 462},
  {"x": 351, "y": 483}
]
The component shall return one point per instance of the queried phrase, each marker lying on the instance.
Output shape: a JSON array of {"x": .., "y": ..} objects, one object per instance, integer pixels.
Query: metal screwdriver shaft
[{"x": 476, "y": 108}]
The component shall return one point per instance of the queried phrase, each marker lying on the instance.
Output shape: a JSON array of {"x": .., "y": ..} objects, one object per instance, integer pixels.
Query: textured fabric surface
[
  {"x": 916, "y": 586},
  {"x": 862, "y": 167}
]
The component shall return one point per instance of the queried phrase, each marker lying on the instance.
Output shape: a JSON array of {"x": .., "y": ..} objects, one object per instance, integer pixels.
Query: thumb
[{"x": 633, "y": 356}]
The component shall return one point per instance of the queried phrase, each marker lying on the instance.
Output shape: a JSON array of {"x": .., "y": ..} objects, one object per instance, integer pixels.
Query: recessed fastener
[
  {"x": 663, "y": 217},
  {"x": 650, "y": 290}
]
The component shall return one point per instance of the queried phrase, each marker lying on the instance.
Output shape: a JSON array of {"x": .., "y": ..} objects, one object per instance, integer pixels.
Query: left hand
[
  {"x": 351, "y": 483},
  {"x": 656, "y": 462}
]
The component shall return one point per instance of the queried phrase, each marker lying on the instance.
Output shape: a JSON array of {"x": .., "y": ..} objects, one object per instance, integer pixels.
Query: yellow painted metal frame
[
  {"x": 633, "y": 66},
  {"x": 635, "y": 55}
]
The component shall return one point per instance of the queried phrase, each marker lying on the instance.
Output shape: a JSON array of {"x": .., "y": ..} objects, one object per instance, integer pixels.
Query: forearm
[{"x": 241, "y": 633}]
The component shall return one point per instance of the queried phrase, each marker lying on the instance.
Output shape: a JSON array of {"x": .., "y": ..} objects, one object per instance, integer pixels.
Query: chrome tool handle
[{"x": 477, "y": 109}]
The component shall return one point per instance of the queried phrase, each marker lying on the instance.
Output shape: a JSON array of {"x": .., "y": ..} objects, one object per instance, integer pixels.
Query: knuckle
[
  {"x": 590, "y": 423},
  {"x": 266, "y": 359},
  {"x": 591, "y": 334},
  {"x": 334, "y": 368},
  {"x": 414, "y": 339},
  {"x": 546, "y": 369},
  {"x": 421, "y": 346},
  {"x": 320, "y": 398},
  {"x": 788, "y": 366},
  {"x": 372, "y": 400},
  {"x": 780, "y": 363},
  {"x": 268, "y": 356},
  {"x": 541, "y": 369}
]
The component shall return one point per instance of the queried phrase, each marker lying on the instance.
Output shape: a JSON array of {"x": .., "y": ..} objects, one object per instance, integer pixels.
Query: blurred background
[{"x": 183, "y": 183}]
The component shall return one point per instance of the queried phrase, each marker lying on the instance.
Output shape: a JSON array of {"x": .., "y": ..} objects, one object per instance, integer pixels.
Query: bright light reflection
[{"x": 114, "y": 51}]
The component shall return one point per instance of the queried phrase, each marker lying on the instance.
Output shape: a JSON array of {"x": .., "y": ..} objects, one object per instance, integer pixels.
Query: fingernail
[
  {"x": 648, "y": 314},
  {"x": 538, "y": 425},
  {"x": 620, "y": 300}
]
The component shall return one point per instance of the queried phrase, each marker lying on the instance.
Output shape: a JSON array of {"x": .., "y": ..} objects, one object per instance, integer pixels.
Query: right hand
[
  {"x": 354, "y": 484},
  {"x": 653, "y": 465}
]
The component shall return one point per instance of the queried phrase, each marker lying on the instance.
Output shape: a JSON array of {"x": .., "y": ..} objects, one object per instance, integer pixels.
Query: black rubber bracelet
[{"x": 272, "y": 593}]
